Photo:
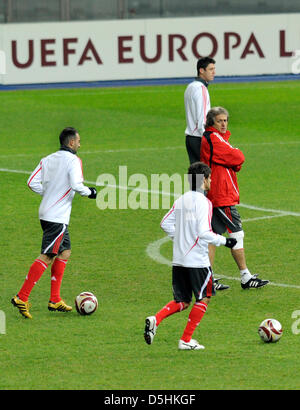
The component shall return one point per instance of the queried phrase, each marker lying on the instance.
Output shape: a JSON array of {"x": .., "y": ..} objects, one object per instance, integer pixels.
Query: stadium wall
[{"x": 148, "y": 49}]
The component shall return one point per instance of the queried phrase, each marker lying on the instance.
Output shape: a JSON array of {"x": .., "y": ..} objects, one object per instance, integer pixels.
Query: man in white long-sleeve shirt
[
  {"x": 188, "y": 224},
  {"x": 56, "y": 178},
  {"x": 197, "y": 105}
]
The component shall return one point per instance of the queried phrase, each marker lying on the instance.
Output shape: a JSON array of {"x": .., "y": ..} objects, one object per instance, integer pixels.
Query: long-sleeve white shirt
[
  {"x": 56, "y": 178},
  {"x": 197, "y": 105},
  {"x": 188, "y": 224}
]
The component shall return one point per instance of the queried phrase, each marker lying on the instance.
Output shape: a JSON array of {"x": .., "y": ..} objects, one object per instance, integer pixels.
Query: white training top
[
  {"x": 188, "y": 224},
  {"x": 57, "y": 177},
  {"x": 197, "y": 105}
]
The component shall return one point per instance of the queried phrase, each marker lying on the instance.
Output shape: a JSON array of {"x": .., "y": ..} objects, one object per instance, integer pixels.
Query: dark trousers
[{"x": 193, "y": 146}]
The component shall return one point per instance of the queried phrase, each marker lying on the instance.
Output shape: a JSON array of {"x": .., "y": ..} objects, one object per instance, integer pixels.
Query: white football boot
[
  {"x": 150, "y": 329},
  {"x": 191, "y": 345}
]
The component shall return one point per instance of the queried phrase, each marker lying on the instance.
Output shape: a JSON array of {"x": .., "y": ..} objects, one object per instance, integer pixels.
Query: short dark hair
[
  {"x": 66, "y": 135},
  {"x": 196, "y": 170},
  {"x": 203, "y": 62}
]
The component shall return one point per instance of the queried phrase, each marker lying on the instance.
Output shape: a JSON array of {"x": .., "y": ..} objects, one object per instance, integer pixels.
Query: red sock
[
  {"x": 195, "y": 316},
  {"x": 35, "y": 272},
  {"x": 57, "y": 272},
  {"x": 168, "y": 310}
]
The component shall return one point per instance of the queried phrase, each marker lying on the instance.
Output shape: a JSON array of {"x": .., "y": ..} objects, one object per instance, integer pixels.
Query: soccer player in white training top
[
  {"x": 197, "y": 105},
  {"x": 56, "y": 178},
  {"x": 188, "y": 224}
]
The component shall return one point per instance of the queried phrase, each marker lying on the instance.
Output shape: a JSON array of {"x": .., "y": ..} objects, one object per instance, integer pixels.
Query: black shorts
[
  {"x": 187, "y": 281},
  {"x": 56, "y": 238},
  {"x": 193, "y": 147},
  {"x": 226, "y": 218}
]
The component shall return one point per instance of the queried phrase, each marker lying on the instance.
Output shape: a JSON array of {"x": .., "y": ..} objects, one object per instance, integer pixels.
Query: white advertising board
[{"x": 144, "y": 49}]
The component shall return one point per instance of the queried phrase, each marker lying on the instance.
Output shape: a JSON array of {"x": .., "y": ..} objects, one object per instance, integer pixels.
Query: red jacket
[{"x": 225, "y": 162}]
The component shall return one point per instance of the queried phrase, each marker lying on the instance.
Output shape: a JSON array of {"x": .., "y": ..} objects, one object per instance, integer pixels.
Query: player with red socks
[
  {"x": 57, "y": 178},
  {"x": 188, "y": 224}
]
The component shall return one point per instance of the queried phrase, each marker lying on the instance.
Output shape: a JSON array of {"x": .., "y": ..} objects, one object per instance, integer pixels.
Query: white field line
[
  {"x": 277, "y": 212},
  {"x": 15, "y": 171},
  {"x": 178, "y": 147},
  {"x": 153, "y": 251},
  {"x": 282, "y": 212},
  {"x": 141, "y": 149},
  {"x": 259, "y": 218},
  {"x": 100, "y": 151}
]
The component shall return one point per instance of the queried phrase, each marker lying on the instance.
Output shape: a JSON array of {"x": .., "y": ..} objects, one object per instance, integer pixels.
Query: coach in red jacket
[{"x": 225, "y": 161}]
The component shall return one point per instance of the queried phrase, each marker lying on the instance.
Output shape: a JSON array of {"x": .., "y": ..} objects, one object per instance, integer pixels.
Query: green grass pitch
[{"x": 143, "y": 128}]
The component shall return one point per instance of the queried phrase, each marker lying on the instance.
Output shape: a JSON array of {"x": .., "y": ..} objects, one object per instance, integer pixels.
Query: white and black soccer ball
[
  {"x": 270, "y": 330},
  {"x": 86, "y": 303}
]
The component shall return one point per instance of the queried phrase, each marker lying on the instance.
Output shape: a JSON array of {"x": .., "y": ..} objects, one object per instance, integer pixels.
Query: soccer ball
[
  {"x": 270, "y": 330},
  {"x": 86, "y": 303}
]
